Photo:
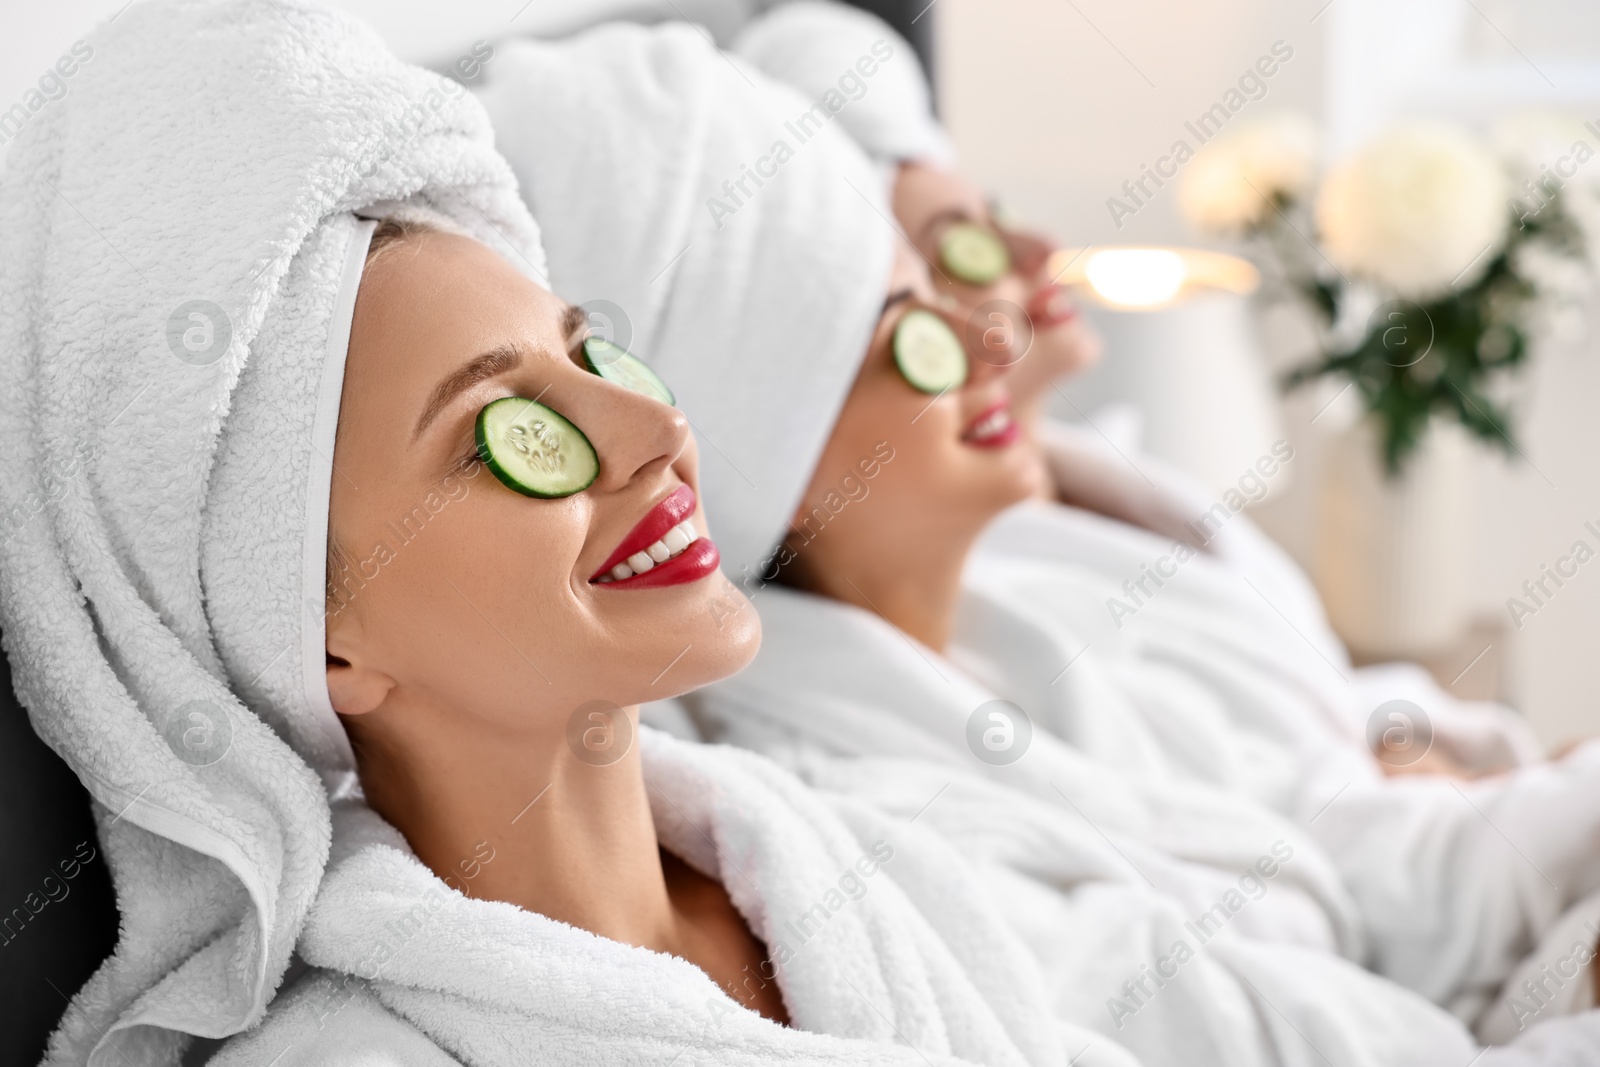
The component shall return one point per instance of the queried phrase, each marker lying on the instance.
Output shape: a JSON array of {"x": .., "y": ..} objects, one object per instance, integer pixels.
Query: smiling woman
[{"x": 487, "y": 636}]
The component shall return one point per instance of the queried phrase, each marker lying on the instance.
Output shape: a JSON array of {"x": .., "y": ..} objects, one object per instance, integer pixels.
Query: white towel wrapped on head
[
  {"x": 822, "y": 47},
  {"x": 181, "y": 255},
  {"x": 858, "y": 68}
]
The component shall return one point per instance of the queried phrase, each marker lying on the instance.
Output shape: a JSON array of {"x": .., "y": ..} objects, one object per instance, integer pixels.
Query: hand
[{"x": 1435, "y": 762}]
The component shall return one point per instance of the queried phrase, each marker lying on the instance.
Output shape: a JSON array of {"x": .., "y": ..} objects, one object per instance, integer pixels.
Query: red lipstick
[
  {"x": 690, "y": 565},
  {"x": 993, "y": 427},
  {"x": 678, "y": 505},
  {"x": 692, "y": 561}
]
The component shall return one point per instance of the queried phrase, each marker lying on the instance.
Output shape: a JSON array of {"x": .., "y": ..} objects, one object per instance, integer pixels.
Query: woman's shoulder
[{"x": 330, "y": 1018}]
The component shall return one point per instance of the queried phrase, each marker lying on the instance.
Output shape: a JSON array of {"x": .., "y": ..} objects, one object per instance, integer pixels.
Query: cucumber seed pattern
[{"x": 539, "y": 444}]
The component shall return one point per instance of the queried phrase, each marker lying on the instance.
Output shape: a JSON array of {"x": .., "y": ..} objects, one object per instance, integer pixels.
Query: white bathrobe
[
  {"x": 1227, "y": 674},
  {"x": 1103, "y": 872},
  {"x": 886, "y": 950}
]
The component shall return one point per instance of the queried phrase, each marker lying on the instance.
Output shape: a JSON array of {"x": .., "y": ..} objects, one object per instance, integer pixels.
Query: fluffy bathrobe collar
[{"x": 885, "y": 950}]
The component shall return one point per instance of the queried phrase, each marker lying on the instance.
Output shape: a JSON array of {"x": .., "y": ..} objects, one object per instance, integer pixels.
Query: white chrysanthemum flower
[
  {"x": 1414, "y": 210},
  {"x": 1230, "y": 184}
]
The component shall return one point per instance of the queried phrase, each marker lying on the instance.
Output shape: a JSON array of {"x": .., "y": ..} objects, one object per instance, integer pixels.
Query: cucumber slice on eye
[
  {"x": 534, "y": 449},
  {"x": 616, "y": 364},
  {"x": 928, "y": 352},
  {"x": 974, "y": 254}
]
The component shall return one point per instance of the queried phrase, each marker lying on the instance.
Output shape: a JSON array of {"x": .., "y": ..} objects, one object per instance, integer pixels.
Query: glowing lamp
[
  {"x": 1135, "y": 277},
  {"x": 1181, "y": 354}
]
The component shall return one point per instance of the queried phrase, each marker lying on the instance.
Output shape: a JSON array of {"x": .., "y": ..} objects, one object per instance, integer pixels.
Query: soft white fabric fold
[
  {"x": 180, "y": 257},
  {"x": 1102, "y": 871},
  {"x": 834, "y": 684},
  {"x": 1558, "y": 978},
  {"x": 886, "y": 949},
  {"x": 816, "y": 46},
  {"x": 823, "y": 50},
  {"x": 1227, "y": 673},
  {"x": 737, "y": 248}
]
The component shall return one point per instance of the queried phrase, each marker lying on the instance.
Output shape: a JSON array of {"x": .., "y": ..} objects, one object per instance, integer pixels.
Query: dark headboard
[{"x": 58, "y": 915}]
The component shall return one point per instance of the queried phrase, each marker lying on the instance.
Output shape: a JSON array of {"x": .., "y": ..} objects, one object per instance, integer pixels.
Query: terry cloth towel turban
[
  {"x": 182, "y": 248},
  {"x": 821, "y": 48}
]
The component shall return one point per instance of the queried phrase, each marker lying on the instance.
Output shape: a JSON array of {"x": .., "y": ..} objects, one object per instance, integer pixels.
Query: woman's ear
[{"x": 353, "y": 689}]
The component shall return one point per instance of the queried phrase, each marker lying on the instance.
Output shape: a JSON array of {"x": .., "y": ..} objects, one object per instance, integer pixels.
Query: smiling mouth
[
  {"x": 663, "y": 549},
  {"x": 671, "y": 545},
  {"x": 993, "y": 427}
]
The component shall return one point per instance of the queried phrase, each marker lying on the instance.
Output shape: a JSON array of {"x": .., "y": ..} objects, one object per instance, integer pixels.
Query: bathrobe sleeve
[
  {"x": 1128, "y": 964},
  {"x": 1137, "y": 489},
  {"x": 1458, "y": 880}
]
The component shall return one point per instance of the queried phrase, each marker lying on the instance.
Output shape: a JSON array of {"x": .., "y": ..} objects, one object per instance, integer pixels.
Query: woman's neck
[
  {"x": 530, "y": 824},
  {"x": 539, "y": 824},
  {"x": 914, "y": 583}
]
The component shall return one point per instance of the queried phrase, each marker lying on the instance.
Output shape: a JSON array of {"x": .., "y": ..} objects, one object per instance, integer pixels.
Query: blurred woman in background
[{"x": 1218, "y": 665}]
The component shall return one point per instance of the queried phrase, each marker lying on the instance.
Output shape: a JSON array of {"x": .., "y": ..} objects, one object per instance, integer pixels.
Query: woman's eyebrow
[
  {"x": 573, "y": 319},
  {"x": 496, "y": 361},
  {"x": 899, "y": 296}
]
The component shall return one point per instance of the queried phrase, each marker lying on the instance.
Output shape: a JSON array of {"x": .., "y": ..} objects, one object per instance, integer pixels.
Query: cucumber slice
[
  {"x": 974, "y": 254},
  {"x": 616, "y": 364},
  {"x": 534, "y": 449},
  {"x": 928, "y": 352}
]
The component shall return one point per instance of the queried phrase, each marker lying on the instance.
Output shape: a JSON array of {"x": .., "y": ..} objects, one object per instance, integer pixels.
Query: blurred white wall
[{"x": 1055, "y": 104}]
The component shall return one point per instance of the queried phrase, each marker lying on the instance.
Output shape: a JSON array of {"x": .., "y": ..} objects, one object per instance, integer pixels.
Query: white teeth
[
  {"x": 671, "y": 544},
  {"x": 676, "y": 540},
  {"x": 995, "y": 423}
]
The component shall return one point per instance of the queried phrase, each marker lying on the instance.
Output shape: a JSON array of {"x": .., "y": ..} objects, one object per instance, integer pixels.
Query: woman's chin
[
  {"x": 1001, "y": 477},
  {"x": 716, "y": 636}
]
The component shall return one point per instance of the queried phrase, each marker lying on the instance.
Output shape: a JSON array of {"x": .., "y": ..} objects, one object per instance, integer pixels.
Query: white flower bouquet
[{"x": 1422, "y": 257}]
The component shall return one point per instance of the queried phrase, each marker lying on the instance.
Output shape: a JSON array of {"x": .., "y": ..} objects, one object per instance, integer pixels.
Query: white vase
[{"x": 1393, "y": 554}]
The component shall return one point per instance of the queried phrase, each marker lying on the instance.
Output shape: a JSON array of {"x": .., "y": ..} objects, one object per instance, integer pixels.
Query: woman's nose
[
  {"x": 635, "y": 436},
  {"x": 1029, "y": 252}
]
